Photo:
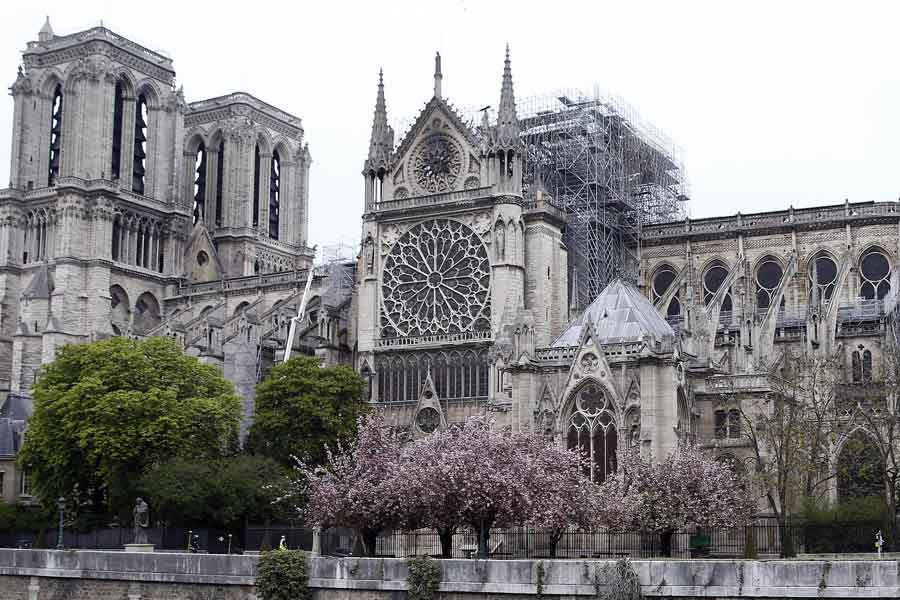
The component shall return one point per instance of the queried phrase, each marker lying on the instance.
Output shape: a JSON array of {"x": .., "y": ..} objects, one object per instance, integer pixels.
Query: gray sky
[{"x": 774, "y": 103}]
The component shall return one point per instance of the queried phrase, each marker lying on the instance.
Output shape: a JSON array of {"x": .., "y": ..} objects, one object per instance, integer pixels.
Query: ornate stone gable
[
  {"x": 590, "y": 365},
  {"x": 429, "y": 415},
  {"x": 438, "y": 134}
]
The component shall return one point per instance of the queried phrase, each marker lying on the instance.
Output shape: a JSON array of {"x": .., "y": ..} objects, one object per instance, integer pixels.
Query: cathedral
[
  {"x": 131, "y": 211},
  {"x": 462, "y": 304}
]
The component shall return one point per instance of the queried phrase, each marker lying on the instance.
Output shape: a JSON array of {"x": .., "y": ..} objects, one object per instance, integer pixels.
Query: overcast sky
[{"x": 773, "y": 103}]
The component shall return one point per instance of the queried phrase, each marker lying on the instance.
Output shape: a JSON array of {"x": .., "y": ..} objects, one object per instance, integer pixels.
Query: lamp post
[{"x": 61, "y": 505}]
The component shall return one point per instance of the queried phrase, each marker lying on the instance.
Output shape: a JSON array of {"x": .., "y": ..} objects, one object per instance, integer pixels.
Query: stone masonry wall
[{"x": 83, "y": 575}]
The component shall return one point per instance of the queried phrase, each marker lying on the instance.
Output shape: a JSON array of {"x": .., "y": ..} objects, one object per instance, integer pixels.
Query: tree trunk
[
  {"x": 484, "y": 532},
  {"x": 665, "y": 540},
  {"x": 445, "y": 534},
  {"x": 555, "y": 536},
  {"x": 369, "y": 540},
  {"x": 787, "y": 538}
]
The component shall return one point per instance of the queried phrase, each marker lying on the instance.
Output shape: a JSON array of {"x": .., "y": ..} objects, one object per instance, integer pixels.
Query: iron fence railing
[{"x": 511, "y": 543}]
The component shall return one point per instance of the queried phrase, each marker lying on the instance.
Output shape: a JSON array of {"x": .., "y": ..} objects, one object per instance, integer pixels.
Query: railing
[
  {"x": 102, "y": 33},
  {"x": 444, "y": 338},
  {"x": 784, "y": 218},
  {"x": 511, "y": 543},
  {"x": 435, "y": 199},
  {"x": 738, "y": 383},
  {"x": 244, "y": 98}
]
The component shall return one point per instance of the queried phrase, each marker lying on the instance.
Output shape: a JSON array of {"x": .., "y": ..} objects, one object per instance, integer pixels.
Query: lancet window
[
  {"x": 55, "y": 134},
  {"x": 220, "y": 181},
  {"x": 256, "y": 169},
  {"x": 456, "y": 374},
  {"x": 862, "y": 365},
  {"x": 118, "y": 111},
  {"x": 138, "y": 241},
  {"x": 200, "y": 184},
  {"x": 37, "y": 237},
  {"x": 592, "y": 431},
  {"x": 274, "y": 195},
  {"x": 139, "y": 166}
]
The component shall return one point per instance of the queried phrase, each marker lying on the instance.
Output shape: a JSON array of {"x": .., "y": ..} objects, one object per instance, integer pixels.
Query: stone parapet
[{"x": 370, "y": 578}]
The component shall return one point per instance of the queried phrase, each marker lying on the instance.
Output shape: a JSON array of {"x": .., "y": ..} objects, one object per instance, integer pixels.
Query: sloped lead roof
[{"x": 619, "y": 314}]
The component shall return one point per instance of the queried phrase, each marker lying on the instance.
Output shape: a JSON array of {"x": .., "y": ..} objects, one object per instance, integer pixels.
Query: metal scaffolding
[{"x": 611, "y": 172}]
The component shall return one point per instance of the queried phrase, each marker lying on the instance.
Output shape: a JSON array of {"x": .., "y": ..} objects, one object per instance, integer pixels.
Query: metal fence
[{"x": 511, "y": 543}]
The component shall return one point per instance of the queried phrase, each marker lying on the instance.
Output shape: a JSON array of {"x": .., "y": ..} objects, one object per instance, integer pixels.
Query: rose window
[
  {"x": 437, "y": 164},
  {"x": 428, "y": 419},
  {"x": 436, "y": 280}
]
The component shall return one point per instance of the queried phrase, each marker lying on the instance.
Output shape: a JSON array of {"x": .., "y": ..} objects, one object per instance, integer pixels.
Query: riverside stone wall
[{"x": 84, "y": 575}]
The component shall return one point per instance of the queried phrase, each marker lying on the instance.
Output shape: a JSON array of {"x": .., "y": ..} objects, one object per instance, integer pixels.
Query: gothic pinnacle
[
  {"x": 437, "y": 75},
  {"x": 507, "y": 122},
  {"x": 382, "y": 139}
]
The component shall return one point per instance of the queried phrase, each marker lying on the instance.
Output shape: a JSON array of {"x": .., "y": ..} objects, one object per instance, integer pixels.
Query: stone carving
[
  {"x": 437, "y": 164},
  {"x": 141, "y": 514},
  {"x": 481, "y": 223},
  {"x": 589, "y": 362},
  {"x": 428, "y": 419}
]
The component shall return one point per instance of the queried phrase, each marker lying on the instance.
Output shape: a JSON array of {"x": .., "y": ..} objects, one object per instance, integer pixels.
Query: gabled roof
[
  {"x": 453, "y": 117},
  {"x": 619, "y": 314}
]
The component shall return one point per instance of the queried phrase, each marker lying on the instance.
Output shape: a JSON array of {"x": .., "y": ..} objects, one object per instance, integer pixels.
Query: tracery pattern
[
  {"x": 437, "y": 163},
  {"x": 436, "y": 280}
]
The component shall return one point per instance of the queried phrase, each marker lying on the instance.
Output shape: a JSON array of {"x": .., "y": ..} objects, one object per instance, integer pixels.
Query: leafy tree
[
  {"x": 219, "y": 492},
  {"x": 105, "y": 412},
  {"x": 302, "y": 408},
  {"x": 283, "y": 575},
  {"x": 359, "y": 485},
  {"x": 686, "y": 488},
  {"x": 793, "y": 431}
]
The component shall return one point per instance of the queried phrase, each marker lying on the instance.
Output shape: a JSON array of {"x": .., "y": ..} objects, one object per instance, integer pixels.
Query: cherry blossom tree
[
  {"x": 687, "y": 488},
  {"x": 359, "y": 486},
  {"x": 558, "y": 495}
]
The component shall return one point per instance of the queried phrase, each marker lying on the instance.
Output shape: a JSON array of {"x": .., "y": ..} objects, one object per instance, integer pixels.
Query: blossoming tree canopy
[
  {"x": 359, "y": 487},
  {"x": 687, "y": 488}
]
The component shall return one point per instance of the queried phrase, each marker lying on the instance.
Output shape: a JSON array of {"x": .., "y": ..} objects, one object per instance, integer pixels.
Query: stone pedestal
[{"x": 139, "y": 547}]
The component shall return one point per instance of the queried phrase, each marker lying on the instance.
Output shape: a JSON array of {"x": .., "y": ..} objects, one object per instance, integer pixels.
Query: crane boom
[{"x": 289, "y": 344}]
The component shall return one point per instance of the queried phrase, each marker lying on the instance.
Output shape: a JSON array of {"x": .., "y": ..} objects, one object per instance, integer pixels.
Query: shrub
[
  {"x": 282, "y": 575},
  {"x": 424, "y": 578}
]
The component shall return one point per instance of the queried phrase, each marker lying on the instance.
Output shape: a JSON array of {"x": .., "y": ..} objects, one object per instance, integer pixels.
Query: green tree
[
  {"x": 219, "y": 492},
  {"x": 105, "y": 412},
  {"x": 302, "y": 407}
]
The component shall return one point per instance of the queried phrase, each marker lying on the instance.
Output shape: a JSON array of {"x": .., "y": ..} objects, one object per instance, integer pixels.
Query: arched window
[
  {"x": 220, "y": 181},
  {"x": 116, "y": 237},
  {"x": 713, "y": 279},
  {"x": 55, "y": 134},
  {"x": 768, "y": 276},
  {"x": 857, "y": 367},
  {"x": 147, "y": 313},
  {"x": 867, "y": 365},
  {"x": 662, "y": 280},
  {"x": 876, "y": 275},
  {"x": 728, "y": 424},
  {"x": 118, "y": 108},
  {"x": 139, "y": 167},
  {"x": 859, "y": 469},
  {"x": 592, "y": 430},
  {"x": 822, "y": 278},
  {"x": 200, "y": 184},
  {"x": 274, "y": 195},
  {"x": 256, "y": 165}
]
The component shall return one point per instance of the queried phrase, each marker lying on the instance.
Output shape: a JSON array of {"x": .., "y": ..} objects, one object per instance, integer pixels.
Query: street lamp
[{"x": 61, "y": 505}]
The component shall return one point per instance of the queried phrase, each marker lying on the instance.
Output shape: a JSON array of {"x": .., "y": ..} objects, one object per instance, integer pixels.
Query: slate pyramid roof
[{"x": 619, "y": 314}]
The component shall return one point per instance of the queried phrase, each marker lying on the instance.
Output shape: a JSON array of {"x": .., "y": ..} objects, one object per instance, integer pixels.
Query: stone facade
[
  {"x": 461, "y": 304},
  {"x": 51, "y": 575},
  {"x": 132, "y": 212}
]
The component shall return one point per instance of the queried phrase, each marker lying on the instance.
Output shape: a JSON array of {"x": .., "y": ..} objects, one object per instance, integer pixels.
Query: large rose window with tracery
[
  {"x": 436, "y": 280},
  {"x": 437, "y": 163}
]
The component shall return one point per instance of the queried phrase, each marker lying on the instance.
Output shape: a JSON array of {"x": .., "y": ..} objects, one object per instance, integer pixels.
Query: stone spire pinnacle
[
  {"x": 382, "y": 140},
  {"x": 437, "y": 75},
  {"x": 507, "y": 121},
  {"x": 46, "y": 33}
]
